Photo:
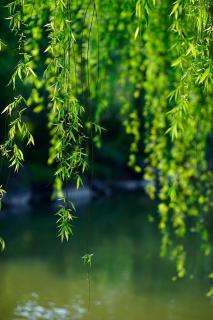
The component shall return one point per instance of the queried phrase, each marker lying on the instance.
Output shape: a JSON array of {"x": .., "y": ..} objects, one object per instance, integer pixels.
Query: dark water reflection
[{"x": 42, "y": 279}]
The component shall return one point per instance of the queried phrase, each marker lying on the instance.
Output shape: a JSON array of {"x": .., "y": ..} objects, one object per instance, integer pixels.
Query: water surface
[{"x": 40, "y": 278}]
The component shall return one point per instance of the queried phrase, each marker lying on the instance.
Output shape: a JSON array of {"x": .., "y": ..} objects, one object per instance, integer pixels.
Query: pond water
[{"x": 40, "y": 278}]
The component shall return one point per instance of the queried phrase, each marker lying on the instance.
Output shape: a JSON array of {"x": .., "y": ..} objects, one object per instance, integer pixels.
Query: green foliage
[
  {"x": 64, "y": 221},
  {"x": 146, "y": 62},
  {"x": 2, "y": 244},
  {"x": 17, "y": 129},
  {"x": 87, "y": 258},
  {"x": 1, "y": 44},
  {"x": 210, "y": 293},
  {"x": 2, "y": 193},
  {"x": 178, "y": 119}
]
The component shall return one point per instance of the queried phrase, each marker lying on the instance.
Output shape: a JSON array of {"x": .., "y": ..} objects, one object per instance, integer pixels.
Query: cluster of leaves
[
  {"x": 147, "y": 62},
  {"x": 87, "y": 258},
  {"x": 178, "y": 101},
  {"x": 2, "y": 193},
  {"x": 16, "y": 111},
  {"x": 156, "y": 74},
  {"x": 65, "y": 218},
  {"x": 18, "y": 129},
  {"x": 65, "y": 114},
  {"x": 28, "y": 20}
]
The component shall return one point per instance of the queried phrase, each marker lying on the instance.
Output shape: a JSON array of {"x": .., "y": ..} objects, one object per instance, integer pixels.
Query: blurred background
[{"x": 40, "y": 278}]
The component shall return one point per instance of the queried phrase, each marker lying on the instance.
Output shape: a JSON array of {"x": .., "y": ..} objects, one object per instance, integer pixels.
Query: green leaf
[
  {"x": 204, "y": 76},
  {"x": 2, "y": 245},
  {"x": 78, "y": 182},
  {"x": 87, "y": 258},
  {"x": 137, "y": 32}
]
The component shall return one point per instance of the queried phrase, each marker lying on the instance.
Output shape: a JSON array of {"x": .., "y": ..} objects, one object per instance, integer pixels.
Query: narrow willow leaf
[
  {"x": 204, "y": 75},
  {"x": 2, "y": 245},
  {"x": 137, "y": 32}
]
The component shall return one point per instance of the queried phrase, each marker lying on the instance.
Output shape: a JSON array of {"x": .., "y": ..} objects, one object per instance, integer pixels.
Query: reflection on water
[
  {"x": 32, "y": 310},
  {"x": 41, "y": 279}
]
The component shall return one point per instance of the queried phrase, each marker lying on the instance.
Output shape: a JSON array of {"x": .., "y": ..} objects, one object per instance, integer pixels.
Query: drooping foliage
[
  {"x": 178, "y": 91},
  {"x": 149, "y": 62}
]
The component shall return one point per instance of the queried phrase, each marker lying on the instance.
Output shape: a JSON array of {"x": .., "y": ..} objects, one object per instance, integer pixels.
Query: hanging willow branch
[
  {"x": 178, "y": 96},
  {"x": 153, "y": 60},
  {"x": 65, "y": 112}
]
